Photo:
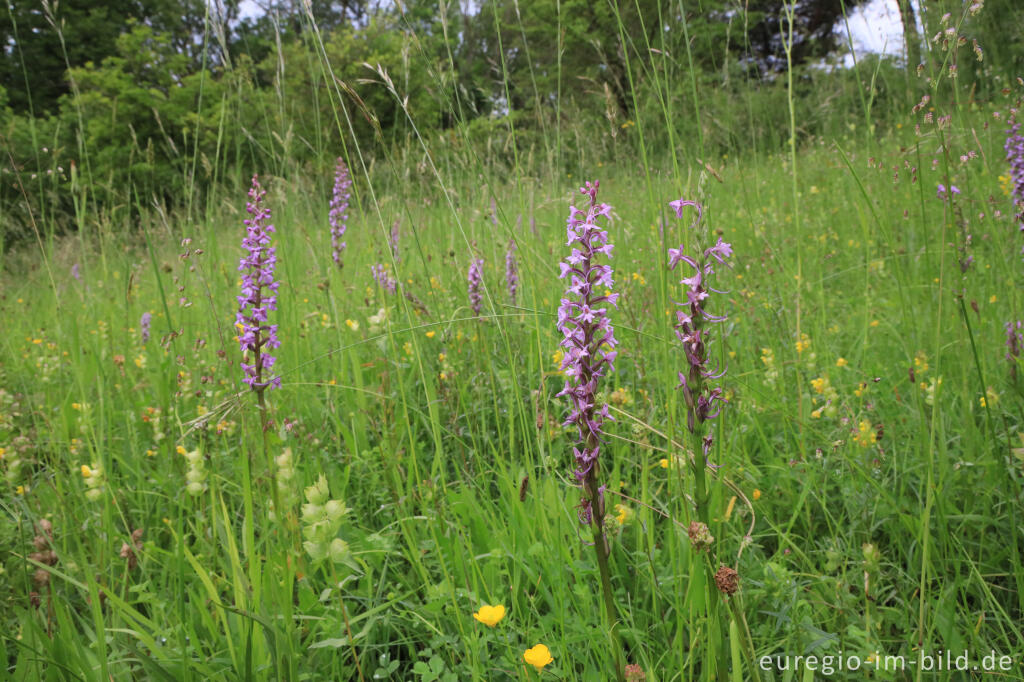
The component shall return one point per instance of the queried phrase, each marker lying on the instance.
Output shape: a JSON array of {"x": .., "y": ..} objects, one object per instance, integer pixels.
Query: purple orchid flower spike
[
  {"x": 511, "y": 271},
  {"x": 1015, "y": 157},
  {"x": 259, "y": 295},
  {"x": 338, "y": 214},
  {"x": 703, "y": 402},
  {"x": 474, "y": 279},
  {"x": 588, "y": 338}
]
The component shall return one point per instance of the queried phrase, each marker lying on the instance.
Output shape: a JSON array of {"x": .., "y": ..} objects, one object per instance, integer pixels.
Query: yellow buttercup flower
[
  {"x": 490, "y": 615},
  {"x": 756, "y": 495},
  {"x": 538, "y": 656},
  {"x": 841, "y": 362}
]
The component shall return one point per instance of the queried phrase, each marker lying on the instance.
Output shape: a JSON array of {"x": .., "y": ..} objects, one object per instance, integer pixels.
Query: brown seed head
[{"x": 727, "y": 580}]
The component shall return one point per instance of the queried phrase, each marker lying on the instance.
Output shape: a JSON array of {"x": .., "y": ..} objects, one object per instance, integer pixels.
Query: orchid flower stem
[{"x": 602, "y": 550}]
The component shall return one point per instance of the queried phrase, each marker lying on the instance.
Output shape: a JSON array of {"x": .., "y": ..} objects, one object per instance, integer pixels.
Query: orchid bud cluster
[
  {"x": 691, "y": 323},
  {"x": 259, "y": 294},
  {"x": 338, "y": 214},
  {"x": 588, "y": 343}
]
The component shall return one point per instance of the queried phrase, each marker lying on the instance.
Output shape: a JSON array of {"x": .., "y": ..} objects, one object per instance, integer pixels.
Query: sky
[{"x": 875, "y": 26}]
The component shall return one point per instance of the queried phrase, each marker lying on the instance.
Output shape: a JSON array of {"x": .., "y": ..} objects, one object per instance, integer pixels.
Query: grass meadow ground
[{"x": 158, "y": 525}]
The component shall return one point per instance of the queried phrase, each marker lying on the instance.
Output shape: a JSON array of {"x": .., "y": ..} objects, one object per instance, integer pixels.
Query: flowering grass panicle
[
  {"x": 338, "y": 215},
  {"x": 475, "y": 279},
  {"x": 511, "y": 271},
  {"x": 259, "y": 294},
  {"x": 691, "y": 323}
]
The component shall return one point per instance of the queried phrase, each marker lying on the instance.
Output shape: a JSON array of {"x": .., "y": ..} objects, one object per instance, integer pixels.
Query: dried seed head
[{"x": 727, "y": 580}]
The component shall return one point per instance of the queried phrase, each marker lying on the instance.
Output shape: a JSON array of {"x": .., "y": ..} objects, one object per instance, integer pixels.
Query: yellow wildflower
[
  {"x": 431, "y": 334},
  {"x": 841, "y": 362},
  {"x": 866, "y": 435},
  {"x": 538, "y": 656},
  {"x": 756, "y": 494},
  {"x": 490, "y": 615}
]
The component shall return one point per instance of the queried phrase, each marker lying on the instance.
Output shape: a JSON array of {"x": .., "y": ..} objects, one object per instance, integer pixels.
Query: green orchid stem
[
  {"x": 701, "y": 499},
  {"x": 602, "y": 550}
]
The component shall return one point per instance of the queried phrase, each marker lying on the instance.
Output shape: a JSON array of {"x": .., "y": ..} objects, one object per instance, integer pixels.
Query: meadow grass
[{"x": 869, "y": 487}]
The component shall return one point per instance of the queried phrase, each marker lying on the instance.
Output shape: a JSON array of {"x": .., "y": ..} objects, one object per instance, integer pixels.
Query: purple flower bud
[
  {"x": 259, "y": 294},
  {"x": 144, "y": 323}
]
